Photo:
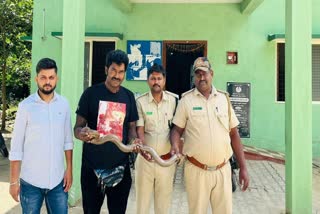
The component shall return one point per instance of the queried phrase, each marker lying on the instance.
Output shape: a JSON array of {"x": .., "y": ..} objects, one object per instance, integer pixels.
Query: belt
[
  {"x": 163, "y": 157},
  {"x": 204, "y": 166}
]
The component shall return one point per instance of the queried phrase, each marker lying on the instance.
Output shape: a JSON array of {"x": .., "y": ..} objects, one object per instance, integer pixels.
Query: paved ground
[{"x": 266, "y": 194}]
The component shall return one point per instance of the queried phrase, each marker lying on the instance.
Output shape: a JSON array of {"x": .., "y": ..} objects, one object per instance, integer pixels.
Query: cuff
[
  {"x": 14, "y": 156},
  {"x": 178, "y": 123},
  {"x": 140, "y": 123},
  {"x": 68, "y": 146}
]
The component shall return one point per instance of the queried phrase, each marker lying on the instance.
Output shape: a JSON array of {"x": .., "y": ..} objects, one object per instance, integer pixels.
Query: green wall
[
  {"x": 221, "y": 25},
  {"x": 225, "y": 29}
]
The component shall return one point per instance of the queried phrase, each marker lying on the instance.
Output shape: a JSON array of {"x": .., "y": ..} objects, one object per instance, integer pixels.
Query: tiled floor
[{"x": 266, "y": 194}]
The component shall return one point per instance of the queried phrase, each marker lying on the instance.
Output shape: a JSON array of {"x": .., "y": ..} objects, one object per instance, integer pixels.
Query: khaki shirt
[
  {"x": 156, "y": 119},
  {"x": 207, "y": 126}
]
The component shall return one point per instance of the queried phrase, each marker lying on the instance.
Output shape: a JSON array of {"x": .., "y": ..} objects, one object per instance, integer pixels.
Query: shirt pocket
[
  {"x": 168, "y": 117},
  {"x": 223, "y": 118},
  {"x": 199, "y": 117},
  {"x": 58, "y": 119},
  {"x": 150, "y": 122}
]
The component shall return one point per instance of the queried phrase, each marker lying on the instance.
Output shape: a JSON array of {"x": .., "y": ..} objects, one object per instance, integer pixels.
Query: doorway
[
  {"x": 99, "y": 53},
  {"x": 178, "y": 58},
  {"x": 95, "y": 53}
]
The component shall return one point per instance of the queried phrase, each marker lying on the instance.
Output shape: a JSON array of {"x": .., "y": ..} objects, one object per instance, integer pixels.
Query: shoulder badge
[
  {"x": 223, "y": 92},
  {"x": 187, "y": 92},
  {"x": 172, "y": 94},
  {"x": 142, "y": 95}
]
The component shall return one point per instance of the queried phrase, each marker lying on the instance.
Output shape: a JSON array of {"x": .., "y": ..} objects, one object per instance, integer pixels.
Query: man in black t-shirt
[{"x": 106, "y": 156}]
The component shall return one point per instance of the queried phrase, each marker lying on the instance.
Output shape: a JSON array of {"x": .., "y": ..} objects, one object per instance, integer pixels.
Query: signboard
[
  {"x": 240, "y": 100},
  {"x": 142, "y": 55}
]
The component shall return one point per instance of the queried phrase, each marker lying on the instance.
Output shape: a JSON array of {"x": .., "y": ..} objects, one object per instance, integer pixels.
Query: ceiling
[{"x": 185, "y": 1}]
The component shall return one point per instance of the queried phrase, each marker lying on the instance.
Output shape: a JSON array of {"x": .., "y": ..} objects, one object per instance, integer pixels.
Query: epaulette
[
  {"x": 172, "y": 94},
  {"x": 187, "y": 92},
  {"x": 223, "y": 92},
  {"x": 142, "y": 95}
]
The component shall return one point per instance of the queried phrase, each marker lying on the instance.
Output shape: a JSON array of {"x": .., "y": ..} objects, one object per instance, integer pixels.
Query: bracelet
[{"x": 14, "y": 183}]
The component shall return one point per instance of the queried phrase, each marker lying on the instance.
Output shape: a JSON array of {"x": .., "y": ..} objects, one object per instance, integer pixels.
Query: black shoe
[{"x": 4, "y": 152}]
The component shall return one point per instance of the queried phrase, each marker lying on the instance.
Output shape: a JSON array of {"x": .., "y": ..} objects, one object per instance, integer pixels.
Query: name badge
[
  {"x": 149, "y": 112},
  {"x": 197, "y": 108}
]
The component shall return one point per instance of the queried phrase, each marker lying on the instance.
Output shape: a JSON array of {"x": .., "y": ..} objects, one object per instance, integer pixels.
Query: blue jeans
[{"x": 31, "y": 198}]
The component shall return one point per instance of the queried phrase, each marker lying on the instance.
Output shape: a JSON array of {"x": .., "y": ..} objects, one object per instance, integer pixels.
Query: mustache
[
  {"x": 47, "y": 85},
  {"x": 155, "y": 85},
  {"x": 113, "y": 78}
]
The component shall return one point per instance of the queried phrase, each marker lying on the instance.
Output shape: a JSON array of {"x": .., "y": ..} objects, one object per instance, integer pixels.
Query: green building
[{"x": 243, "y": 39}]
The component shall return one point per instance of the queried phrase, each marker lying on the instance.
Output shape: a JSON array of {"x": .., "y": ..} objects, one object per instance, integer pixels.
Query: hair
[
  {"x": 118, "y": 57},
  {"x": 156, "y": 68},
  {"x": 46, "y": 63}
]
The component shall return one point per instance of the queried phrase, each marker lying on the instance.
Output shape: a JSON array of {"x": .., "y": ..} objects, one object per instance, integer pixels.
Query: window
[{"x": 281, "y": 72}]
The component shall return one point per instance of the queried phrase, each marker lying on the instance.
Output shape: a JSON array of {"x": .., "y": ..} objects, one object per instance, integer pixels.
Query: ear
[{"x": 106, "y": 70}]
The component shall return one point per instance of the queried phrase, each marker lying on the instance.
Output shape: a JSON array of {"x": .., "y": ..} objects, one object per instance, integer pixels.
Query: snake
[{"x": 97, "y": 140}]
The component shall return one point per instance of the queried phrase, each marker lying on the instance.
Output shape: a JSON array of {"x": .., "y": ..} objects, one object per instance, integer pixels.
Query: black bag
[
  {"x": 132, "y": 159},
  {"x": 109, "y": 177},
  {"x": 234, "y": 163}
]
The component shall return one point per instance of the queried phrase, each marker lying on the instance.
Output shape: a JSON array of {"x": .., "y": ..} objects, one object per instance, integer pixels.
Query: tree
[{"x": 15, "y": 54}]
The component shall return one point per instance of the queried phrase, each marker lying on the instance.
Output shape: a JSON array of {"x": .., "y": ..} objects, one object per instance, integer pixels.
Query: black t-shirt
[{"x": 107, "y": 155}]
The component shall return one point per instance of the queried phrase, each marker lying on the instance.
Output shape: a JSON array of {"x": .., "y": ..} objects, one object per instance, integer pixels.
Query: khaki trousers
[
  {"x": 153, "y": 181},
  {"x": 208, "y": 186}
]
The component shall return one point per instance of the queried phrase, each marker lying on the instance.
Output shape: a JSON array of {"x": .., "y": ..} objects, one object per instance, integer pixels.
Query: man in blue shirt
[{"x": 42, "y": 136}]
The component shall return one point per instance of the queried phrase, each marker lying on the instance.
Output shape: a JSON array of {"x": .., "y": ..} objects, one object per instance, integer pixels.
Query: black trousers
[{"x": 92, "y": 197}]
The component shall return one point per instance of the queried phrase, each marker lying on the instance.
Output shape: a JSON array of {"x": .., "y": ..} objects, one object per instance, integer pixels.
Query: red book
[{"x": 110, "y": 118}]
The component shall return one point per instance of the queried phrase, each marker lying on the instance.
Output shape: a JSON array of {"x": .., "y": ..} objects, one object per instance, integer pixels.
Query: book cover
[{"x": 111, "y": 118}]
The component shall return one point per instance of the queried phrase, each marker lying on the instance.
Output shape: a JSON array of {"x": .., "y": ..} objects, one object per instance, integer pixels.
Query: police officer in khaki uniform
[
  {"x": 156, "y": 109},
  {"x": 206, "y": 118}
]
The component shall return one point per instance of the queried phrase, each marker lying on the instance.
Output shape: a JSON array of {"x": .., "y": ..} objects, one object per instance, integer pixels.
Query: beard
[{"x": 46, "y": 92}]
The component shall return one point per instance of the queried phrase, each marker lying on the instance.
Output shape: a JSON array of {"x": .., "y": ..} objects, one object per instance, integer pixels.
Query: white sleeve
[{"x": 18, "y": 136}]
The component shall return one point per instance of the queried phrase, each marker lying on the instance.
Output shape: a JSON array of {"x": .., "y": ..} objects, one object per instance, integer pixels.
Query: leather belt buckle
[{"x": 205, "y": 166}]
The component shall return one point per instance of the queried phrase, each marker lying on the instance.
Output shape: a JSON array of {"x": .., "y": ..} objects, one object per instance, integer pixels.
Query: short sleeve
[
  {"x": 234, "y": 122},
  {"x": 140, "y": 121},
  {"x": 83, "y": 105},
  {"x": 181, "y": 115},
  {"x": 133, "y": 112}
]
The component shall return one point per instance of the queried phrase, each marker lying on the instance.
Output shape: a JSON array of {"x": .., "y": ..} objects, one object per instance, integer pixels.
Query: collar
[
  {"x": 151, "y": 99},
  {"x": 214, "y": 91},
  {"x": 37, "y": 98}
]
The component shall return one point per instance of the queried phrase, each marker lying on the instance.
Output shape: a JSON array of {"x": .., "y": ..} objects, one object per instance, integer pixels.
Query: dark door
[
  {"x": 178, "y": 60},
  {"x": 100, "y": 50},
  {"x": 86, "y": 78}
]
